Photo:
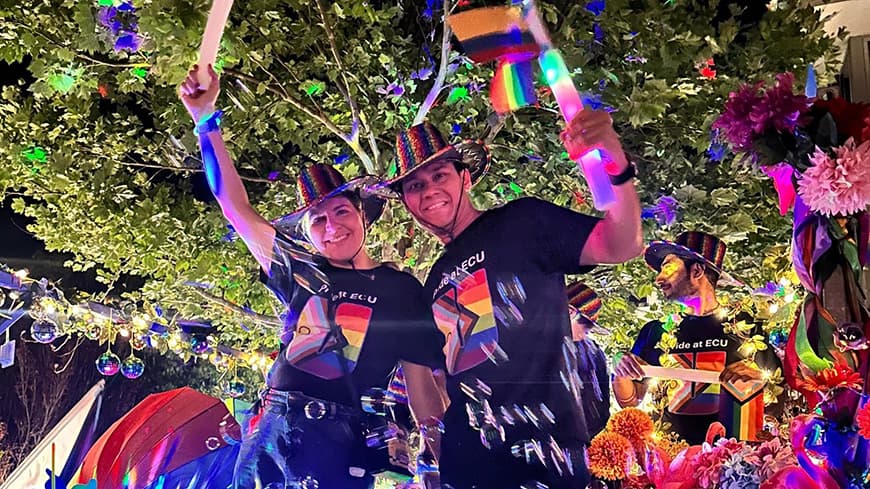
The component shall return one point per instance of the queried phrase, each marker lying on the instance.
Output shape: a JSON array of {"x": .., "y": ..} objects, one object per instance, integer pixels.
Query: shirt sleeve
[
  {"x": 280, "y": 277},
  {"x": 645, "y": 345},
  {"x": 294, "y": 269},
  {"x": 558, "y": 234}
]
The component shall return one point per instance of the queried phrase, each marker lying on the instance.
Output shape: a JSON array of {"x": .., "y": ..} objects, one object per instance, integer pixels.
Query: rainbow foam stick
[
  {"x": 559, "y": 79},
  {"x": 211, "y": 38}
]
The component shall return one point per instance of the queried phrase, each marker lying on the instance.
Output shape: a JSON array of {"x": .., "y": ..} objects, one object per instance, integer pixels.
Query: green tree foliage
[{"x": 115, "y": 185}]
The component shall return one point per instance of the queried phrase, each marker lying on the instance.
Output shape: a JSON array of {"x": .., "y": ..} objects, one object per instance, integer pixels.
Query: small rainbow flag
[
  {"x": 500, "y": 34},
  {"x": 741, "y": 409},
  {"x": 512, "y": 87}
]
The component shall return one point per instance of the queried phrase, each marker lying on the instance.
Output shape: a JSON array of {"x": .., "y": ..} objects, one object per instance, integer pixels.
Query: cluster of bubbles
[
  {"x": 305, "y": 482},
  {"x": 512, "y": 294},
  {"x": 491, "y": 422},
  {"x": 381, "y": 403}
]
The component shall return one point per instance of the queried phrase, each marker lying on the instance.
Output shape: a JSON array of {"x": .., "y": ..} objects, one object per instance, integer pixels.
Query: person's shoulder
[
  {"x": 525, "y": 204},
  {"x": 652, "y": 328},
  {"x": 395, "y": 272}
]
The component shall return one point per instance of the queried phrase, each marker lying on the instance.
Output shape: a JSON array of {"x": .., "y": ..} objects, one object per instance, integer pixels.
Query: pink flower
[
  {"x": 838, "y": 186},
  {"x": 708, "y": 463},
  {"x": 770, "y": 457},
  {"x": 779, "y": 107},
  {"x": 734, "y": 122}
]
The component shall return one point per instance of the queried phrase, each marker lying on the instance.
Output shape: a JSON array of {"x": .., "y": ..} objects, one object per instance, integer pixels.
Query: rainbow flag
[
  {"x": 500, "y": 34},
  {"x": 510, "y": 88},
  {"x": 741, "y": 409}
]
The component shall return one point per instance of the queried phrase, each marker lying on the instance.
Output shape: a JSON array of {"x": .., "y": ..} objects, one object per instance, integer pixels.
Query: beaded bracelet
[{"x": 209, "y": 123}]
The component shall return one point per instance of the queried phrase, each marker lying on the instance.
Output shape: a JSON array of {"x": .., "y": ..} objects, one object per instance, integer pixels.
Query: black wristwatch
[{"x": 629, "y": 173}]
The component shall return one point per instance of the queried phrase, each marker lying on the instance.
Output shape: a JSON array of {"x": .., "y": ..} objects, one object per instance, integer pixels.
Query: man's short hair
[{"x": 711, "y": 274}]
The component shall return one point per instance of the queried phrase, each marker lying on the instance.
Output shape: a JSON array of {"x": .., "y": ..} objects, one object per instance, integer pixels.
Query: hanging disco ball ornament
[
  {"x": 198, "y": 344},
  {"x": 108, "y": 364},
  {"x": 132, "y": 367},
  {"x": 44, "y": 331},
  {"x": 235, "y": 388}
]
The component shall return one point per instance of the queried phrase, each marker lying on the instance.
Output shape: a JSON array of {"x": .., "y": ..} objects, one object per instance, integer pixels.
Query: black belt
[{"x": 313, "y": 408}]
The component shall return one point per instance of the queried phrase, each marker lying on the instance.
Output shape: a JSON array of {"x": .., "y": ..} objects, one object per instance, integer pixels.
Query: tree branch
[
  {"x": 269, "y": 320},
  {"x": 442, "y": 70},
  {"x": 279, "y": 90},
  {"x": 356, "y": 114},
  {"x": 78, "y": 53},
  {"x": 190, "y": 170}
]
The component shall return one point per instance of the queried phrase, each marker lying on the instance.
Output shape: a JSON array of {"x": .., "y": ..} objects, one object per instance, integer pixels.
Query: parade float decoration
[{"x": 818, "y": 154}]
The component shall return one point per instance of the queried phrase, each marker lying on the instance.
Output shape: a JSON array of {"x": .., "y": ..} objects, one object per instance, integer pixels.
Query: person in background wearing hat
[
  {"x": 498, "y": 296},
  {"x": 689, "y": 270},
  {"x": 348, "y": 318},
  {"x": 584, "y": 304}
]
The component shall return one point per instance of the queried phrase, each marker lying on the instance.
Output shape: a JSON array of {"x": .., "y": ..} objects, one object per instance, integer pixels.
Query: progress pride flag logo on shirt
[{"x": 464, "y": 314}]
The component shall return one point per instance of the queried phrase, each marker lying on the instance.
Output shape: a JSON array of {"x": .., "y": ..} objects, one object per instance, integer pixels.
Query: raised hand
[{"x": 197, "y": 101}]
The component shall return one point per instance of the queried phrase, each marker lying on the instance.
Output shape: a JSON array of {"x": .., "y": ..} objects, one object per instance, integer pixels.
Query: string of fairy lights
[{"x": 141, "y": 326}]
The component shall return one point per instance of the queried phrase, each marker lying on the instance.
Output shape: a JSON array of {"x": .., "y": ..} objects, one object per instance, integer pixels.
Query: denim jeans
[{"x": 327, "y": 451}]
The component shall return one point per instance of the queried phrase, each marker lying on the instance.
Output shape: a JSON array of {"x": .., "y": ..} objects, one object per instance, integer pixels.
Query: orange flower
[
  {"x": 633, "y": 424},
  {"x": 837, "y": 376},
  {"x": 863, "y": 420},
  {"x": 610, "y": 456}
]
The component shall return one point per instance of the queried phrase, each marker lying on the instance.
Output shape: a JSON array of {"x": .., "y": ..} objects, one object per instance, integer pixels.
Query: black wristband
[{"x": 629, "y": 173}]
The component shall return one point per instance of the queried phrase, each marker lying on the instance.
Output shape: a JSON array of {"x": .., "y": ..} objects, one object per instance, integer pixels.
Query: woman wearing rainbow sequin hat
[{"x": 348, "y": 320}]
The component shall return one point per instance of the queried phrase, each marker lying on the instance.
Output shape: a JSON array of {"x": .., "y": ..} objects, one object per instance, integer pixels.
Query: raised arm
[
  {"x": 223, "y": 179},
  {"x": 618, "y": 237}
]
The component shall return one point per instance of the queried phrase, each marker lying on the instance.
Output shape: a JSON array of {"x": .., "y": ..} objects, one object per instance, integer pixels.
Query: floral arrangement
[
  {"x": 825, "y": 145},
  {"x": 665, "y": 464},
  {"x": 818, "y": 154}
]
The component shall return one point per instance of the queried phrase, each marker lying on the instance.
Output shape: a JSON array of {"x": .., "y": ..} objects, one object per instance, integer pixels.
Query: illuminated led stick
[
  {"x": 560, "y": 82},
  {"x": 211, "y": 38}
]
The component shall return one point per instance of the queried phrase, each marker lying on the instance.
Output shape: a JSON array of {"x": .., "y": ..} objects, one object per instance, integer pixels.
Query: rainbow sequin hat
[
  {"x": 586, "y": 303},
  {"x": 423, "y": 144},
  {"x": 319, "y": 182},
  {"x": 691, "y": 245}
]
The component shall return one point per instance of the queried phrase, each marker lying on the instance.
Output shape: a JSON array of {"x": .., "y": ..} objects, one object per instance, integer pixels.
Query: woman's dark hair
[{"x": 353, "y": 197}]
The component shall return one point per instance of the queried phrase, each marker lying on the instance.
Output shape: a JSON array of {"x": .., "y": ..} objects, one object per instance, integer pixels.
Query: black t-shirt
[
  {"x": 592, "y": 367},
  {"x": 510, "y": 341},
  {"x": 702, "y": 344},
  {"x": 378, "y": 317}
]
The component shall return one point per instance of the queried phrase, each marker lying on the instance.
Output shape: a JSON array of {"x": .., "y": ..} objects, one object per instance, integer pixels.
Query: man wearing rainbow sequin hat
[
  {"x": 689, "y": 270},
  {"x": 497, "y": 294},
  {"x": 584, "y": 305}
]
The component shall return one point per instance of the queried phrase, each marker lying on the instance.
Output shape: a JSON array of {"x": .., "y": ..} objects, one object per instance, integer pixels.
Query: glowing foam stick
[
  {"x": 685, "y": 374},
  {"x": 559, "y": 79},
  {"x": 701, "y": 377},
  {"x": 211, "y": 38}
]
